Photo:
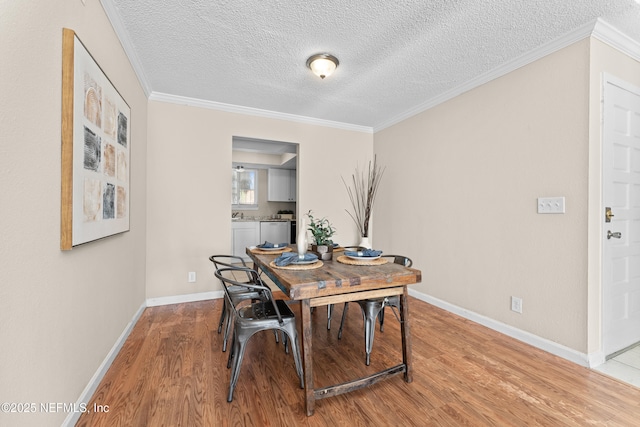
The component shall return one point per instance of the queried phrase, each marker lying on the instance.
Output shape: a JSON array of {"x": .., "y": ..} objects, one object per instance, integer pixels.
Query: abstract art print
[{"x": 96, "y": 129}]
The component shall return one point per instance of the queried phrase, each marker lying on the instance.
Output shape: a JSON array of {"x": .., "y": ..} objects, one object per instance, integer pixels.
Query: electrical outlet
[
  {"x": 516, "y": 304},
  {"x": 192, "y": 277}
]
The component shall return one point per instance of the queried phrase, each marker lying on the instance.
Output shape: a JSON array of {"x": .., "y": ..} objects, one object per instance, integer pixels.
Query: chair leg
[
  {"x": 370, "y": 311},
  {"x": 223, "y": 314},
  {"x": 232, "y": 351},
  {"x": 344, "y": 316},
  {"x": 238, "y": 348},
  {"x": 381, "y": 319},
  {"x": 369, "y": 330},
  {"x": 227, "y": 329},
  {"x": 295, "y": 347}
]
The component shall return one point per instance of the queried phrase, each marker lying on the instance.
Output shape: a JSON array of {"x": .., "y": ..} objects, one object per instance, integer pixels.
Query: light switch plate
[{"x": 550, "y": 205}]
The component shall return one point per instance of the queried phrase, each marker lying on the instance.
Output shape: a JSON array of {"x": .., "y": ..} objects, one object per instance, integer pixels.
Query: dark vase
[{"x": 324, "y": 252}]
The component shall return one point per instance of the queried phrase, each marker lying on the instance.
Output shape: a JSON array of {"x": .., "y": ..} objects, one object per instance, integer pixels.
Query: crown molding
[
  {"x": 121, "y": 32},
  {"x": 506, "y": 68},
  {"x": 610, "y": 35},
  {"x": 230, "y": 108},
  {"x": 598, "y": 29}
]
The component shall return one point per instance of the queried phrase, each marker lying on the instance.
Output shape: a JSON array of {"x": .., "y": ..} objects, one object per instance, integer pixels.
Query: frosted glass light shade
[{"x": 322, "y": 64}]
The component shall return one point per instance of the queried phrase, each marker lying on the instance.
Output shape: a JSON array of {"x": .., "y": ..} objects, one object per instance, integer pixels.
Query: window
[{"x": 244, "y": 189}]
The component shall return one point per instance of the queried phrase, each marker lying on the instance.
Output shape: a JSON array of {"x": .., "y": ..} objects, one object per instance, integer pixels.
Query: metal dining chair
[
  {"x": 237, "y": 293},
  {"x": 330, "y": 306},
  {"x": 255, "y": 317},
  {"x": 374, "y": 308}
]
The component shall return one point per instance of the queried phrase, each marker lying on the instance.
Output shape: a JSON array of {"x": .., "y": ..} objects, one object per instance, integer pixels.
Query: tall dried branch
[{"x": 363, "y": 193}]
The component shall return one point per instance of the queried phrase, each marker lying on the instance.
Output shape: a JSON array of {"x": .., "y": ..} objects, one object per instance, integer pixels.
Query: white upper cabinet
[{"x": 281, "y": 185}]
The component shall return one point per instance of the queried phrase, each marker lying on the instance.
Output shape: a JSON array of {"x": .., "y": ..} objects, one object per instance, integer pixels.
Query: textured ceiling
[{"x": 395, "y": 56}]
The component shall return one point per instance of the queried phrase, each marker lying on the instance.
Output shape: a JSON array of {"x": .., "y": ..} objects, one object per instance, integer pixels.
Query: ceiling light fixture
[{"x": 322, "y": 64}]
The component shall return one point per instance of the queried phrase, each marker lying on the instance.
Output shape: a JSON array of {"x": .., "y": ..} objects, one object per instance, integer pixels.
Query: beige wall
[
  {"x": 60, "y": 312},
  {"x": 460, "y": 191},
  {"x": 189, "y": 183},
  {"x": 458, "y": 197}
]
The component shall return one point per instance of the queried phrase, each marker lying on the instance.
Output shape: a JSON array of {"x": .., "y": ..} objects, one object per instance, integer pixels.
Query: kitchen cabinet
[
  {"x": 243, "y": 235},
  {"x": 281, "y": 185},
  {"x": 275, "y": 232}
]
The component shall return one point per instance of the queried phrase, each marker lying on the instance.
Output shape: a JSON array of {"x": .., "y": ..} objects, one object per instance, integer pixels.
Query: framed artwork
[{"x": 96, "y": 148}]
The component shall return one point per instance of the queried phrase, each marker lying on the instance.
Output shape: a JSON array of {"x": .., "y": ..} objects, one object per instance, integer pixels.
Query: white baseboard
[
  {"x": 177, "y": 299},
  {"x": 574, "y": 356},
  {"x": 596, "y": 359},
  {"x": 554, "y": 348},
  {"x": 91, "y": 387}
]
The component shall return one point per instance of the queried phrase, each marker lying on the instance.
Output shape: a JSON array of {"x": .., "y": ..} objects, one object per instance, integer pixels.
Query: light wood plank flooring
[{"x": 172, "y": 372}]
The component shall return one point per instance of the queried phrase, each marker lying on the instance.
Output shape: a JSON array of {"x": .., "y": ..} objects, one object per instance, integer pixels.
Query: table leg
[
  {"x": 405, "y": 328},
  {"x": 307, "y": 356}
]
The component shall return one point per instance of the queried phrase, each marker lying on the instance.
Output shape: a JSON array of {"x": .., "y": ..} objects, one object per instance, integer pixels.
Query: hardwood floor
[{"x": 172, "y": 372}]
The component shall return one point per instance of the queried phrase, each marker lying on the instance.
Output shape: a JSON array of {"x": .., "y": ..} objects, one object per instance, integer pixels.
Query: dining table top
[{"x": 334, "y": 277}]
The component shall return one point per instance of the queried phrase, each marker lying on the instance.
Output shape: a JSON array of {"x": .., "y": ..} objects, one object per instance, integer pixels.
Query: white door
[{"x": 621, "y": 182}]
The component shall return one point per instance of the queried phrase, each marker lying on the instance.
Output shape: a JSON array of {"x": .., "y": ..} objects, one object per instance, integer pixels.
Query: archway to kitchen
[{"x": 263, "y": 192}]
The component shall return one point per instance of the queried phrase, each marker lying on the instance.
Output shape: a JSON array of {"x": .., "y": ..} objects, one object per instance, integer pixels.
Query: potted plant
[
  {"x": 362, "y": 195},
  {"x": 322, "y": 231}
]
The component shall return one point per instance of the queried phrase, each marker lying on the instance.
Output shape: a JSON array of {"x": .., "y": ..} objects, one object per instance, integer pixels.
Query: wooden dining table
[{"x": 337, "y": 282}]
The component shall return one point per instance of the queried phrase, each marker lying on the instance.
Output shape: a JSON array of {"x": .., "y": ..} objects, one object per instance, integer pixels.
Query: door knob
[{"x": 615, "y": 235}]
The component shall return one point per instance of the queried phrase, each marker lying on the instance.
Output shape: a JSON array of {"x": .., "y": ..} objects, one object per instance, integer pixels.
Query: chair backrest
[
  {"x": 230, "y": 261},
  {"x": 255, "y": 284},
  {"x": 400, "y": 259}
]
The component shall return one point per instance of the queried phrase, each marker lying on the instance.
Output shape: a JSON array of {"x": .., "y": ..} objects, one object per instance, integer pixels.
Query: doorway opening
[{"x": 264, "y": 192}]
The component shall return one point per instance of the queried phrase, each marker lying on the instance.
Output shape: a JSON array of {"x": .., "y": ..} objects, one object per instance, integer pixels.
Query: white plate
[
  {"x": 296, "y": 262},
  {"x": 366, "y": 258},
  {"x": 279, "y": 248}
]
